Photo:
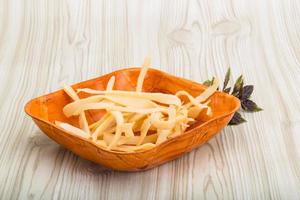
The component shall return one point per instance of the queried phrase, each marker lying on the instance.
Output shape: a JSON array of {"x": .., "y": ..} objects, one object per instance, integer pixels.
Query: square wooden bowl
[{"x": 46, "y": 109}]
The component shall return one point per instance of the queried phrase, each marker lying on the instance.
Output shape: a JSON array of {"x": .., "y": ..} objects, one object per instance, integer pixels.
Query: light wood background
[{"x": 46, "y": 42}]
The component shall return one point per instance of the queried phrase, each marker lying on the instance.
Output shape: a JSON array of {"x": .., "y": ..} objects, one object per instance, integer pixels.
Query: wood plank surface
[{"x": 46, "y": 42}]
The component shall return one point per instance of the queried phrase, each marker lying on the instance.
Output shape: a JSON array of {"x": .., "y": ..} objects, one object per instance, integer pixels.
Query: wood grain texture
[{"x": 44, "y": 43}]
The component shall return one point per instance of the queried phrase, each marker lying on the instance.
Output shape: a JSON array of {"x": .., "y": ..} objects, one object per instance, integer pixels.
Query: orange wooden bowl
[{"x": 46, "y": 109}]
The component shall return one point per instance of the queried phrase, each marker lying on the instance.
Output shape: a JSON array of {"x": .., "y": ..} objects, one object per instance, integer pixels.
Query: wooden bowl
[{"x": 46, "y": 109}]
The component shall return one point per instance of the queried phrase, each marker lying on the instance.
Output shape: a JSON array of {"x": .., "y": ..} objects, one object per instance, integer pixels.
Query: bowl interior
[{"x": 49, "y": 108}]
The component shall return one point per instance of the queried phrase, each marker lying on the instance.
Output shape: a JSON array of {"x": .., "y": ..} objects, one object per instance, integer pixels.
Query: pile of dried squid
[{"x": 134, "y": 120}]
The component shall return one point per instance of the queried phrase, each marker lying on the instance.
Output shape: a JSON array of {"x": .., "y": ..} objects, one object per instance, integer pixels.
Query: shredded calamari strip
[
  {"x": 142, "y": 74},
  {"x": 162, "y": 136},
  {"x": 107, "y": 123},
  {"x": 194, "y": 111},
  {"x": 82, "y": 118},
  {"x": 72, "y": 129},
  {"x": 108, "y": 138},
  {"x": 158, "y": 97},
  {"x": 69, "y": 108},
  {"x": 160, "y": 124},
  {"x": 170, "y": 123},
  {"x": 136, "y": 117},
  {"x": 131, "y": 101},
  {"x": 193, "y": 101},
  {"x": 177, "y": 131},
  {"x": 144, "y": 129},
  {"x": 208, "y": 92},
  {"x": 120, "y": 121},
  {"x": 128, "y": 129},
  {"x": 121, "y": 100},
  {"x": 110, "y": 106},
  {"x": 110, "y": 84},
  {"x": 100, "y": 121}
]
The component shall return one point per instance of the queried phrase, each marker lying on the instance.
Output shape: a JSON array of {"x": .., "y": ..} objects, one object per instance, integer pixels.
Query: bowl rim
[{"x": 235, "y": 100}]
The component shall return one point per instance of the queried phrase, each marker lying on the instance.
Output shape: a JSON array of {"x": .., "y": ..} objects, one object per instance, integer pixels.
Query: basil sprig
[{"x": 243, "y": 93}]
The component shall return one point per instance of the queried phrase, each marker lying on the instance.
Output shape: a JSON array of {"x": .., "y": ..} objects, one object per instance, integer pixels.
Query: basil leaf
[
  {"x": 250, "y": 106},
  {"x": 226, "y": 80},
  {"x": 237, "y": 119},
  {"x": 238, "y": 86},
  {"x": 247, "y": 91},
  {"x": 227, "y": 90}
]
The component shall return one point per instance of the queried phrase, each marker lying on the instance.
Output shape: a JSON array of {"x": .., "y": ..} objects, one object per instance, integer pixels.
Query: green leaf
[
  {"x": 237, "y": 119},
  {"x": 209, "y": 82},
  {"x": 250, "y": 106},
  {"x": 226, "y": 80},
  {"x": 243, "y": 93},
  {"x": 247, "y": 91},
  {"x": 227, "y": 90},
  {"x": 238, "y": 86}
]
